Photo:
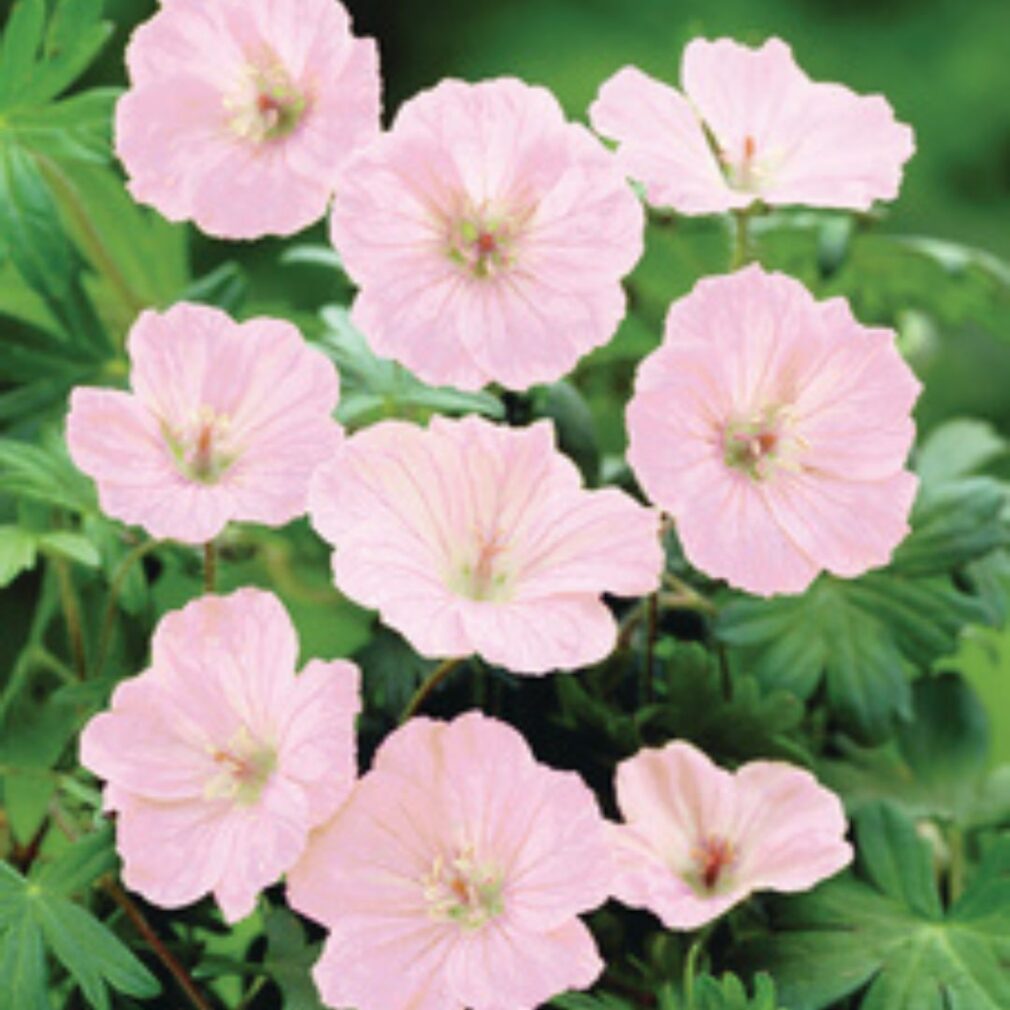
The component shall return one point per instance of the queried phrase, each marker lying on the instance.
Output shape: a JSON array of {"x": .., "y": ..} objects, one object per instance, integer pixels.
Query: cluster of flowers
[
  {"x": 453, "y": 872},
  {"x": 488, "y": 237}
]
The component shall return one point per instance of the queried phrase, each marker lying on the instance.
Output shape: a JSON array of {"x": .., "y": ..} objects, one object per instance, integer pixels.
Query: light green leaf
[
  {"x": 73, "y": 546},
  {"x": 958, "y": 448},
  {"x": 44, "y": 473},
  {"x": 17, "y": 552},
  {"x": 32, "y": 235},
  {"x": 373, "y": 387},
  {"x": 77, "y": 128}
]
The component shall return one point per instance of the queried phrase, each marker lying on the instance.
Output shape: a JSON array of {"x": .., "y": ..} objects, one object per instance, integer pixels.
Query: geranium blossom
[
  {"x": 698, "y": 839},
  {"x": 218, "y": 758},
  {"x": 775, "y": 428},
  {"x": 225, "y": 421},
  {"x": 488, "y": 237},
  {"x": 240, "y": 113},
  {"x": 749, "y": 126},
  {"x": 454, "y": 875},
  {"x": 471, "y": 537}
]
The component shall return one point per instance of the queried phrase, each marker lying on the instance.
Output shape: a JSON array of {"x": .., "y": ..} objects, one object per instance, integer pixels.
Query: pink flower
[
  {"x": 698, "y": 839},
  {"x": 488, "y": 237},
  {"x": 774, "y": 429},
  {"x": 241, "y": 113},
  {"x": 226, "y": 421},
  {"x": 454, "y": 875},
  {"x": 751, "y": 126},
  {"x": 218, "y": 759},
  {"x": 470, "y": 537}
]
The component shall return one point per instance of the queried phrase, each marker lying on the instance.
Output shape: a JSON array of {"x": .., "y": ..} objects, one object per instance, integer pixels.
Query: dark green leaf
[
  {"x": 886, "y": 930},
  {"x": 953, "y": 523},
  {"x": 289, "y": 960},
  {"x": 93, "y": 955}
]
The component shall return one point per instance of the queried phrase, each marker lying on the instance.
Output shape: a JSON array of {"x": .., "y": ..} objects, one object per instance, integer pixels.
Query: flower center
[
  {"x": 463, "y": 890},
  {"x": 266, "y": 106},
  {"x": 200, "y": 446},
  {"x": 711, "y": 858},
  {"x": 483, "y": 574},
  {"x": 242, "y": 769},
  {"x": 482, "y": 243},
  {"x": 754, "y": 445}
]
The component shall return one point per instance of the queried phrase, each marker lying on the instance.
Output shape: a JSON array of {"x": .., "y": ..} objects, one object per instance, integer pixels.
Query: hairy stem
[
  {"x": 427, "y": 686},
  {"x": 209, "y": 566},
  {"x": 139, "y": 921},
  {"x": 71, "y": 615},
  {"x": 742, "y": 252}
]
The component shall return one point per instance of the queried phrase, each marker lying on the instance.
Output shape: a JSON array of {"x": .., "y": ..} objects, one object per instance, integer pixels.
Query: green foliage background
[{"x": 859, "y": 680}]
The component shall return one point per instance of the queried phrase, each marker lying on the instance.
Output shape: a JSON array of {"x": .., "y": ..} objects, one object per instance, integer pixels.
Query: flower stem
[
  {"x": 652, "y": 614},
  {"x": 164, "y": 955},
  {"x": 71, "y": 616},
  {"x": 209, "y": 566},
  {"x": 428, "y": 685},
  {"x": 115, "y": 588},
  {"x": 742, "y": 252}
]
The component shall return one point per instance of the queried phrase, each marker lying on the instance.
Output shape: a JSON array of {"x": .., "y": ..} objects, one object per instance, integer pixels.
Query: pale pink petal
[
  {"x": 241, "y": 114},
  {"x": 465, "y": 535},
  {"x": 392, "y": 964},
  {"x": 815, "y": 144},
  {"x": 488, "y": 237},
  {"x": 795, "y": 828},
  {"x": 501, "y": 969},
  {"x": 661, "y": 143},
  {"x": 731, "y": 532},
  {"x": 698, "y": 839},
  {"x": 318, "y": 742},
  {"x": 453, "y": 875},
  {"x": 219, "y": 760},
  {"x": 207, "y": 396},
  {"x": 751, "y": 363}
]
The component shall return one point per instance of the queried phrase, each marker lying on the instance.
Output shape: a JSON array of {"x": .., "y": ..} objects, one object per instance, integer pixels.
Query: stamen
[{"x": 712, "y": 857}]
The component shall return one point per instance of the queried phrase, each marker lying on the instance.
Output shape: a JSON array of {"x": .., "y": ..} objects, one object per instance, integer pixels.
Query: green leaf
[
  {"x": 32, "y": 235},
  {"x": 73, "y": 546},
  {"x": 23, "y": 965},
  {"x": 93, "y": 956},
  {"x": 26, "y": 793},
  {"x": 958, "y": 448},
  {"x": 692, "y": 705},
  {"x": 226, "y": 287},
  {"x": 44, "y": 473},
  {"x": 36, "y": 65},
  {"x": 935, "y": 767},
  {"x": 76, "y": 129},
  {"x": 21, "y": 41},
  {"x": 79, "y": 865},
  {"x": 729, "y": 993},
  {"x": 886, "y": 930},
  {"x": 289, "y": 960},
  {"x": 860, "y": 638},
  {"x": 17, "y": 553},
  {"x": 373, "y": 387},
  {"x": 953, "y": 523},
  {"x": 562, "y": 403}
]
